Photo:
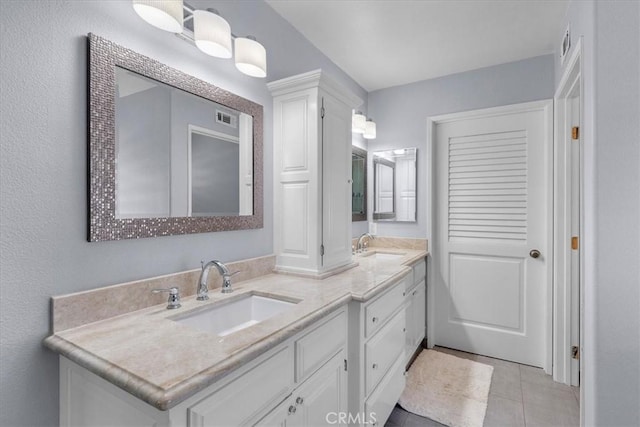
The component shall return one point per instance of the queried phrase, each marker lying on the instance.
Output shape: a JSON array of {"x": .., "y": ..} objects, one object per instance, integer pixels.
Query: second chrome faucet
[{"x": 203, "y": 289}]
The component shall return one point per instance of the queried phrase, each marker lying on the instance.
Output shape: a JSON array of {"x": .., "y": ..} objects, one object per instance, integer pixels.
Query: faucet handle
[{"x": 174, "y": 297}]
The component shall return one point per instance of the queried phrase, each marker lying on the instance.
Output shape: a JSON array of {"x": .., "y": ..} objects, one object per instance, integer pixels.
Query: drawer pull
[
  {"x": 299, "y": 401},
  {"x": 404, "y": 294},
  {"x": 375, "y": 366},
  {"x": 404, "y": 329},
  {"x": 292, "y": 409},
  {"x": 374, "y": 320}
]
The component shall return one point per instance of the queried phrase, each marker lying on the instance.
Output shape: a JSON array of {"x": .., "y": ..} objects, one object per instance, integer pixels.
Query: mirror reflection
[
  {"x": 358, "y": 184},
  {"x": 178, "y": 154},
  {"x": 394, "y": 185}
]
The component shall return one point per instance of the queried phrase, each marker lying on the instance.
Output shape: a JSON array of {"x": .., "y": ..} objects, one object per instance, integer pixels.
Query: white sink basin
[
  {"x": 227, "y": 318},
  {"x": 384, "y": 256}
]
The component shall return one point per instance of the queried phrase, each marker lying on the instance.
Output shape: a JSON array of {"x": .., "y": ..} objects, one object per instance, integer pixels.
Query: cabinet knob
[
  {"x": 292, "y": 409},
  {"x": 375, "y": 366},
  {"x": 299, "y": 401},
  {"x": 404, "y": 329},
  {"x": 374, "y": 320}
]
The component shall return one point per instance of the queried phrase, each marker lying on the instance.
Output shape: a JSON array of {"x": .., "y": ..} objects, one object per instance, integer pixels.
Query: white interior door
[{"x": 493, "y": 213}]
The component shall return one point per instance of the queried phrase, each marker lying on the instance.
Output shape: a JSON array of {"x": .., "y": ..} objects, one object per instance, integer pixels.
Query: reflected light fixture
[
  {"x": 167, "y": 15},
  {"x": 358, "y": 122},
  {"x": 211, "y": 32},
  {"x": 369, "y": 130},
  {"x": 251, "y": 57}
]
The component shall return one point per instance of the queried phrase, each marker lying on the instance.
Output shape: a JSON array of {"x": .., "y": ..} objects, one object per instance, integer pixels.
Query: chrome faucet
[
  {"x": 203, "y": 289},
  {"x": 359, "y": 246}
]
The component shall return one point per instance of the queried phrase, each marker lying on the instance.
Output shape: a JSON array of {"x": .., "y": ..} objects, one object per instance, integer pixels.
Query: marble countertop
[{"x": 164, "y": 362}]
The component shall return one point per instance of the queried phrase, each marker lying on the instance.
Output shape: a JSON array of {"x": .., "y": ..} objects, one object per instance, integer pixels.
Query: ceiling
[{"x": 384, "y": 43}]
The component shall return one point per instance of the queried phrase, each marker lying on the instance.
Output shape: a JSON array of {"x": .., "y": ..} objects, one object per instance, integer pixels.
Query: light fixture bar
[{"x": 214, "y": 37}]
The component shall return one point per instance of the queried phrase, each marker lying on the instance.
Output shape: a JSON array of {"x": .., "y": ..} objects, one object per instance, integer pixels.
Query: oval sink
[{"x": 227, "y": 318}]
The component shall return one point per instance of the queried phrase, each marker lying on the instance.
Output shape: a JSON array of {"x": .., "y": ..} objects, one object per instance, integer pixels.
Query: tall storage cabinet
[{"x": 312, "y": 173}]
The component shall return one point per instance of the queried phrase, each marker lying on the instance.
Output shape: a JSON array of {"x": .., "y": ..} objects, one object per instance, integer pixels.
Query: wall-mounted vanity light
[
  {"x": 210, "y": 32},
  {"x": 369, "y": 130},
  {"x": 358, "y": 121}
]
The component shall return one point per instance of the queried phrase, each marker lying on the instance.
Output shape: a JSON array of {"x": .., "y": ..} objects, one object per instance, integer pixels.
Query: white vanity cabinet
[
  {"x": 312, "y": 173},
  {"x": 296, "y": 383},
  {"x": 377, "y": 340},
  {"x": 415, "y": 297}
]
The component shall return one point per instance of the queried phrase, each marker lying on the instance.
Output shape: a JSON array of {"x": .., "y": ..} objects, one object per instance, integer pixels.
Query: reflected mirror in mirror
[
  {"x": 358, "y": 184},
  {"x": 178, "y": 154},
  {"x": 169, "y": 153},
  {"x": 394, "y": 185}
]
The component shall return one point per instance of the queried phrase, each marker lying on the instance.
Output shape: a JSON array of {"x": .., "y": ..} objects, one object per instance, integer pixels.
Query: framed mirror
[
  {"x": 168, "y": 153},
  {"x": 358, "y": 184},
  {"x": 394, "y": 185}
]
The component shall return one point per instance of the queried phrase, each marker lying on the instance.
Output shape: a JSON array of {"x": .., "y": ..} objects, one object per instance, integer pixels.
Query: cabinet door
[
  {"x": 323, "y": 397},
  {"x": 282, "y": 416},
  {"x": 336, "y": 183},
  {"x": 318, "y": 401},
  {"x": 419, "y": 313},
  {"x": 411, "y": 327}
]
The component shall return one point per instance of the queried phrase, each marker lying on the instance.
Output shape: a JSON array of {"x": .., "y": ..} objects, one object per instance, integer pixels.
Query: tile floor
[{"x": 520, "y": 396}]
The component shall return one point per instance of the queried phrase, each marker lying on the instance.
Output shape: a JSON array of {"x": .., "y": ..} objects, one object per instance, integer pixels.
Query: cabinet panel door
[
  {"x": 411, "y": 333},
  {"x": 336, "y": 183},
  {"x": 419, "y": 313},
  {"x": 282, "y": 416},
  {"x": 323, "y": 397}
]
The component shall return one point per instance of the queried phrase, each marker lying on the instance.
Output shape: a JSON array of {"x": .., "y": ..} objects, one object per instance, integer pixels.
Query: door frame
[
  {"x": 432, "y": 122},
  {"x": 563, "y": 188}
]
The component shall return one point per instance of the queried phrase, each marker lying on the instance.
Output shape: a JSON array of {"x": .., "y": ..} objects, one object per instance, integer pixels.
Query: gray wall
[
  {"x": 401, "y": 115},
  {"x": 43, "y": 211},
  {"x": 610, "y": 33}
]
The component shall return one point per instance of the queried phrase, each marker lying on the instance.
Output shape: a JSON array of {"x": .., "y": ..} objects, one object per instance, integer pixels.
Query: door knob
[{"x": 534, "y": 253}]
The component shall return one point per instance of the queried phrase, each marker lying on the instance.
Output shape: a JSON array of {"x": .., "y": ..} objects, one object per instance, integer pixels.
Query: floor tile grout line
[{"x": 524, "y": 416}]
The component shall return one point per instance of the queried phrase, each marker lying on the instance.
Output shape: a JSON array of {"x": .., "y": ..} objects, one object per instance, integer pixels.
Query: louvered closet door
[{"x": 491, "y": 183}]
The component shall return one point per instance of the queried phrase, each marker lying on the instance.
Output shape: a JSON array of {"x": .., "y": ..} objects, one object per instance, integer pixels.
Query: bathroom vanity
[{"x": 337, "y": 349}]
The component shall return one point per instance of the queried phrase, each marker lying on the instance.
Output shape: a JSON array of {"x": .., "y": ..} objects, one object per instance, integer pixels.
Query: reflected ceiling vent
[{"x": 226, "y": 119}]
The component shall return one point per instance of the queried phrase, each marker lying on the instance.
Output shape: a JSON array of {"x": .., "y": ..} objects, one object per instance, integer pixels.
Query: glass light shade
[
  {"x": 370, "y": 130},
  {"x": 164, "y": 14},
  {"x": 358, "y": 122},
  {"x": 212, "y": 34},
  {"x": 251, "y": 57}
]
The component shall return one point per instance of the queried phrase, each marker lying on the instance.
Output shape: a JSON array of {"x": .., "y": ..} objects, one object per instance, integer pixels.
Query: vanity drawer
[
  {"x": 384, "y": 398},
  {"x": 249, "y": 395},
  {"x": 315, "y": 348},
  {"x": 379, "y": 310},
  {"x": 383, "y": 349}
]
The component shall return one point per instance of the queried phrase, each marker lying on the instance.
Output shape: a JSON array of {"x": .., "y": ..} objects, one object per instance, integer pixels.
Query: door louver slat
[{"x": 488, "y": 187}]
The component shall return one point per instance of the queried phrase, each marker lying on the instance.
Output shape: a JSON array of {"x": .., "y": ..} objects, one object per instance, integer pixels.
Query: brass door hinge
[
  {"x": 575, "y": 352},
  {"x": 575, "y": 243},
  {"x": 575, "y": 132}
]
